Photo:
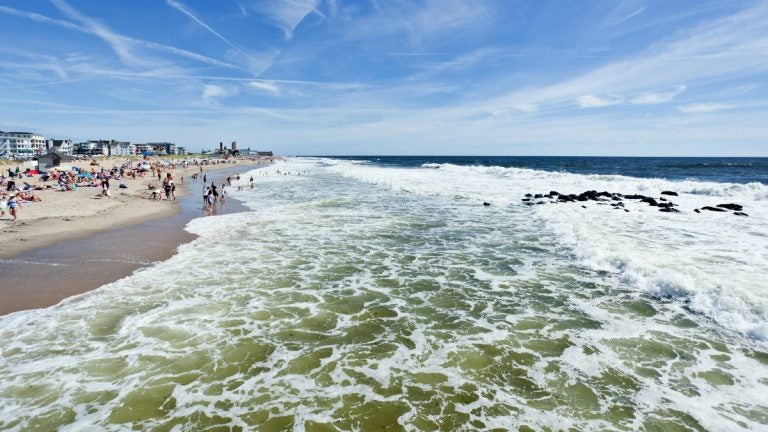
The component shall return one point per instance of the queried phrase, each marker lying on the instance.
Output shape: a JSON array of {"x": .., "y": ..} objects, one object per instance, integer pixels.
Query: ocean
[{"x": 380, "y": 293}]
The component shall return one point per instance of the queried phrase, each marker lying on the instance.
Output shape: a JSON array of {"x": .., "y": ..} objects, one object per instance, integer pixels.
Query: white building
[
  {"x": 22, "y": 144},
  {"x": 91, "y": 148},
  {"x": 62, "y": 147},
  {"x": 142, "y": 149},
  {"x": 121, "y": 148}
]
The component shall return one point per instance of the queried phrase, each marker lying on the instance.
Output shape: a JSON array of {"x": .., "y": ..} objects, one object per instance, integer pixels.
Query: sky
[{"x": 393, "y": 77}]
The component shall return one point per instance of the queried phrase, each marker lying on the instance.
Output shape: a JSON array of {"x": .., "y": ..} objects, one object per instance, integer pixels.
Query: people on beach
[
  {"x": 105, "y": 186},
  {"x": 13, "y": 206},
  {"x": 3, "y": 205},
  {"x": 214, "y": 192}
]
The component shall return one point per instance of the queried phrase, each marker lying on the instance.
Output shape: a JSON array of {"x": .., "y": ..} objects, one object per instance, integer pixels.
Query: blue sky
[{"x": 536, "y": 77}]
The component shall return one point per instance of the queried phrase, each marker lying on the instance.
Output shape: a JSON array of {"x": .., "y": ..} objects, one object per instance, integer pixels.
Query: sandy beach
[
  {"x": 66, "y": 215},
  {"x": 73, "y": 242}
]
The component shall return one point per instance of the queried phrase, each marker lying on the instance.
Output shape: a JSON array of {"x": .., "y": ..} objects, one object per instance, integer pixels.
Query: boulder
[
  {"x": 696, "y": 211},
  {"x": 669, "y": 210},
  {"x": 731, "y": 206},
  {"x": 740, "y": 214},
  {"x": 553, "y": 193},
  {"x": 714, "y": 209},
  {"x": 485, "y": 203},
  {"x": 650, "y": 201},
  {"x": 670, "y": 193}
]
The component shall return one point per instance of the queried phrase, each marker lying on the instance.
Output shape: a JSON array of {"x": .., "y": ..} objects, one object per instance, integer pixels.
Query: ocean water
[{"x": 380, "y": 294}]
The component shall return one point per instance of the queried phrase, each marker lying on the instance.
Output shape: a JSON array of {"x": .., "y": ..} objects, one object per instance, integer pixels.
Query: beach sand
[{"x": 73, "y": 242}]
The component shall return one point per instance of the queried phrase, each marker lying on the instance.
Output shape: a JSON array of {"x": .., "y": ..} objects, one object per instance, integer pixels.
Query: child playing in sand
[{"x": 3, "y": 205}]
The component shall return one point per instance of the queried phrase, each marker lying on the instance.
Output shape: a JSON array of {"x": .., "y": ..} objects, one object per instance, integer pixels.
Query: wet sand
[{"x": 45, "y": 276}]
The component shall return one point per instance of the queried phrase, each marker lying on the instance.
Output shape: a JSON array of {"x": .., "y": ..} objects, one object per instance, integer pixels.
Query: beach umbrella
[{"x": 86, "y": 175}]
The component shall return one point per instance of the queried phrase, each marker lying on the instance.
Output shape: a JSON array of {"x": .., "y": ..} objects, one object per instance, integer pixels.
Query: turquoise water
[{"x": 357, "y": 296}]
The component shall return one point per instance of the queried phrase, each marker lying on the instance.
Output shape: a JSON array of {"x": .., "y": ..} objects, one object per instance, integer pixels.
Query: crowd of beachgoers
[{"x": 19, "y": 187}]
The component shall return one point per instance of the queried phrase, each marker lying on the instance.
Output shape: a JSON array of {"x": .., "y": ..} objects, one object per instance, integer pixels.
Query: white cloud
[
  {"x": 264, "y": 86},
  {"x": 181, "y": 8},
  {"x": 286, "y": 14},
  {"x": 591, "y": 101},
  {"x": 126, "y": 45},
  {"x": 704, "y": 107},
  {"x": 119, "y": 43},
  {"x": 253, "y": 63},
  {"x": 721, "y": 50},
  {"x": 216, "y": 91},
  {"x": 650, "y": 98}
]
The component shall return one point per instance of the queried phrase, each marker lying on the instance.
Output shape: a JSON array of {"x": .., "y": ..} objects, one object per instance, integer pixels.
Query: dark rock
[
  {"x": 650, "y": 201},
  {"x": 588, "y": 196},
  {"x": 714, "y": 209},
  {"x": 696, "y": 211},
  {"x": 669, "y": 193},
  {"x": 605, "y": 194},
  {"x": 553, "y": 193},
  {"x": 538, "y": 196},
  {"x": 634, "y": 196},
  {"x": 669, "y": 210},
  {"x": 626, "y": 210},
  {"x": 486, "y": 203},
  {"x": 734, "y": 207},
  {"x": 662, "y": 199},
  {"x": 528, "y": 195},
  {"x": 740, "y": 214},
  {"x": 583, "y": 206}
]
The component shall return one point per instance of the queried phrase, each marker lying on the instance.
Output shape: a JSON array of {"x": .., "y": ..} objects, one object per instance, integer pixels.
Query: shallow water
[{"x": 365, "y": 297}]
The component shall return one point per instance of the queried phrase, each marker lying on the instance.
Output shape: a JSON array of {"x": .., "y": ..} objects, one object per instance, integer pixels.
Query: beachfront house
[
  {"x": 163, "y": 148},
  {"x": 121, "y": 148},
  {"x": 63, "y": 147},
  {"x": 92, "y": 148},
  {"x": 52, "y": 160},
  {"x": 21, "y": 144}
]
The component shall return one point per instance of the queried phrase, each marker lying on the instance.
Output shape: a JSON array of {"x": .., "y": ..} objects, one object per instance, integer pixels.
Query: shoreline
[{"x": 49, "y": 270}]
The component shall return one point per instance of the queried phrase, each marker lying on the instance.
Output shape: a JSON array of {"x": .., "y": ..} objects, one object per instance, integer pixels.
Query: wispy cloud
[
  {"x": 421, "y": 21},
  {"x": 216, "y": 91},
  {"x": 719, "y": 50},
  {"x": 268, "y": 87},
  {"x": 39, "y": 18},
  {"x": 254, "y": 63},
  {"x": 287, "y": 14},
  {"x": 183, "y": 9},
  {"x": 650, "y": 98},
  {"x": 705, "y": 107},
  {"x": 125, "y": 43},
  {"x": 591, "y": 101},
  {"x": 121, "y": 45}
]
